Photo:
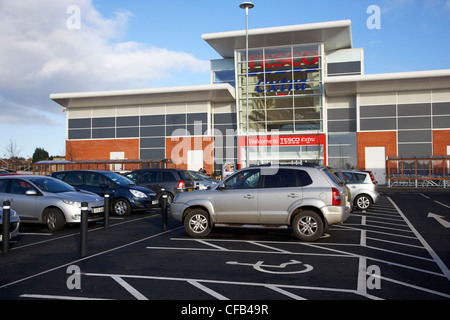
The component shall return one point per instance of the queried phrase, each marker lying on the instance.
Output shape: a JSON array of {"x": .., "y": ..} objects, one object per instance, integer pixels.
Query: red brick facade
[
  {"x": 376, "y": 139},
  {"x": 441, "y": 139},
  {"x": 176, "y": 149},
  {"x": 101, "y": 149}
]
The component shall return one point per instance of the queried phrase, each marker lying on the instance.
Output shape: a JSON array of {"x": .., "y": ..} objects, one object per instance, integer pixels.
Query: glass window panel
[
  {"x": 414, "y": 123},
  {"x": 276, "y": 75},
  {"x": 108, "y": 133},
  {"x": 103, "y": 122},
  {"x": 79, "y": 123},
  {"x": 308, "y": 125},
  {"x": 280, "y": 115}
]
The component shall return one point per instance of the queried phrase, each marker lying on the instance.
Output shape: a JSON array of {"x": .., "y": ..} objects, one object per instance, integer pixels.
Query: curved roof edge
[
  {"x": 387, "y": 82},
  {"x": 212, "y": 92},
  {"x": 335, "y": 34}
]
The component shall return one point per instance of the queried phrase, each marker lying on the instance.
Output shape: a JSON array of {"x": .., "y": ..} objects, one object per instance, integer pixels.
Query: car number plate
[{"x": 98, "y": 210}]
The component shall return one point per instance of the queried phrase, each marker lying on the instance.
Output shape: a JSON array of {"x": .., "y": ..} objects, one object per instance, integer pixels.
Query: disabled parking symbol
[{"x": 276, "y": 269}]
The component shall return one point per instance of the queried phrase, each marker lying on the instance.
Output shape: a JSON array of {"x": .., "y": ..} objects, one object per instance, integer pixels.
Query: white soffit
[
  {"x": 387, "y": 82},
  {"x": 214, "y": 93},
  {"x": 335, "y": 35}
]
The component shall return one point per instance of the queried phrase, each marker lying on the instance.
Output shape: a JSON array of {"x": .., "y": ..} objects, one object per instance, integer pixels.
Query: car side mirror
[
  {"x": 104, "y": 186},
  {"x": 31, "y": 192}
]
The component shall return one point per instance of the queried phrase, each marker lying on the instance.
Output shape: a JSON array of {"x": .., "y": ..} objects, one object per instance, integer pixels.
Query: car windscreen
[
  {"x": 119, "y": 179},
  {"x": 52, "y": 185},
  {"x": 203, "y": 175},
  {"x": 193, "y": 175}
]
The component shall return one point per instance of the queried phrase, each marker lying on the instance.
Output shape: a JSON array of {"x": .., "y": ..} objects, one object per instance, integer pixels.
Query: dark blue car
[{"x": 125, "y": 196}]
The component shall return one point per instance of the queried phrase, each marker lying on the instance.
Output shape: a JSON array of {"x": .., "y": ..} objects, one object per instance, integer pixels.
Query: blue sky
[{"x": 143, "y": 44}]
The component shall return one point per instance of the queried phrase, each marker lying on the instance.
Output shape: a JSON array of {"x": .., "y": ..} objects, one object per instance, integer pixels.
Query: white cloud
[{"x": 42, "y": 55}]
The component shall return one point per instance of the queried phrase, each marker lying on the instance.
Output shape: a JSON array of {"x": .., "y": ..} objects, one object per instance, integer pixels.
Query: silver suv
[{"x": 305, "y": 198}]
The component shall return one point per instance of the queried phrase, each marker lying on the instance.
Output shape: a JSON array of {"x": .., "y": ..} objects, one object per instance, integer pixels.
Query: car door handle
[
  {"x": 249, "y": 196},
  {"x": 293, "y": 195}
]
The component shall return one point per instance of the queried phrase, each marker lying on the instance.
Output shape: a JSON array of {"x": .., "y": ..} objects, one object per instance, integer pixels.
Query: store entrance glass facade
[{"x": 285, "y": 98}]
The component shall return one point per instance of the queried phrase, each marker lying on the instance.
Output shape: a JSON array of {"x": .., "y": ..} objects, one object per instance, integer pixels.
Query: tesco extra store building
[{"x": 308, "y": 100}]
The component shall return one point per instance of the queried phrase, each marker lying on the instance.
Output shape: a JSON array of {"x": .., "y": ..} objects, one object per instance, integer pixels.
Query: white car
[
  {"x": 202, "y": 180},
  {"x": 363, "y": 188},
  {"x": 14, "y": 223},
  {"x": 47, "y": 200}
]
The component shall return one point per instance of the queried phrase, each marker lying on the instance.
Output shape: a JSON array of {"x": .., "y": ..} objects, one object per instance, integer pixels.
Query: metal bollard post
[
  {"x": 106, "y": 213},
  {"x": 83, "y": 228},
  {"x": 5, "y": 228},
  {"x": 164, "y": 208}
]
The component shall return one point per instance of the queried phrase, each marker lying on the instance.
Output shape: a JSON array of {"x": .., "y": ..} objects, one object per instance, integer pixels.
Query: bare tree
[{"x": 12, "y": 152}]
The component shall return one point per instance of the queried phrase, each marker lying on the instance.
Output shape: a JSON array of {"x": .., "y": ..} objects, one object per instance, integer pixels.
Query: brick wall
[
  {"x": 441, "y": 139},
  {"x": 177, "y": 150},
  {"x": 375, "y": 139},
  {"x": 101, "y": 149}
]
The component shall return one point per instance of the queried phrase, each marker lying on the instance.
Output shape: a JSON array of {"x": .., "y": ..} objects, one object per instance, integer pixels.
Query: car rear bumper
[{"x": 336, "y": 214}]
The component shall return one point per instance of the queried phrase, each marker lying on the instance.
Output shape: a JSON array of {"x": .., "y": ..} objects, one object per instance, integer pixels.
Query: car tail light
[
  {"x": 336, "y": 197},
  {"x": 374, "y": 181},
  {"x": 181, "y": 185}
]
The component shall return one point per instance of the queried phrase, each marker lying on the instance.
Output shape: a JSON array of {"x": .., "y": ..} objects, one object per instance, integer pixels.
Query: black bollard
[
  {"x": 83, "y": 228},
  {"x": 5, "y": 228},
  {"x": 164, "y": 208},
  {"x": 106, "y": 213}
]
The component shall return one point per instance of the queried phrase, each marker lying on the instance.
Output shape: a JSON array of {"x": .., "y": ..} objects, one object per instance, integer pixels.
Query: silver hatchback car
[
  {"x": 363, "y": 188},
  {"x": 40, "y": 199},
  {"x": 304, "y": 198}
]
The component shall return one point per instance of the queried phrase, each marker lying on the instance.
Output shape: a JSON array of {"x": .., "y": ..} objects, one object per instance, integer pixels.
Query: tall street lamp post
[{"x": 246, "y": 5}]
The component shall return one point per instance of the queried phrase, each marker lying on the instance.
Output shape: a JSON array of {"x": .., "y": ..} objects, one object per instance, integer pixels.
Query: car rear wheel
[
  {"x": 54, "y": 219},
  {"x": 307, "y": 226},
  {"x": 363, "y": 202},
  {"x": 121, "y": 207},
  {"x": 196, "y": 223}
]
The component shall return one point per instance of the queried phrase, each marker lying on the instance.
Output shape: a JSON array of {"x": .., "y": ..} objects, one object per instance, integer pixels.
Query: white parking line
[
  {"x": 442, "y": 204},
  {"x": 207, "y": 290},
  {"x": 129, "y": 288},
  {"x": 55, "y": 297},
  {"x": 430, "y": 250},
  {"x": 86, "y": 258}
]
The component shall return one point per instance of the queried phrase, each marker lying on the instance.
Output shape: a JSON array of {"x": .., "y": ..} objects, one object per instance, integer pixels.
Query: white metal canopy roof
[
  {"x": 387, "y": 82},
  {"x": 213, "y": 92},
  {"x": 335, "y": 35}
]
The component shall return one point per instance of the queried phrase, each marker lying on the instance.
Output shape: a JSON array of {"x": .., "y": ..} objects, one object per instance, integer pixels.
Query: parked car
[
  {"x": 41, "y": 199},
  {"x": 363, "y": 188},
  {"x": 14, "y": 223},
  {"x": 173, "y": 181},
  {"x": 125, "y": 196},
  {"x": 202, "y": 180},
  {"x": 304, "y": 198}
]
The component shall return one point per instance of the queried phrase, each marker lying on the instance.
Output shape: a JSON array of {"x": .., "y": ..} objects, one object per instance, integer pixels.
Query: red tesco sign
[{"x": 303, "y": 140}]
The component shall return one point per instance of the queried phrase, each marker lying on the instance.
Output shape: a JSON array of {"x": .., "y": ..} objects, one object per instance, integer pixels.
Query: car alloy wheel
[
  {"x": 307, "y": 226},
  {"x": 54, "y": 219},
  {"x": 121, "y": 207},
  {"x": 197, "y": 224},
  {"x": 363, "y": 202}
]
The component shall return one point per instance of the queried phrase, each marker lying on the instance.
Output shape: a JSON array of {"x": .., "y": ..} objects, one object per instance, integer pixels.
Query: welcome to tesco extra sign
[{"x": 303, "y": 140}]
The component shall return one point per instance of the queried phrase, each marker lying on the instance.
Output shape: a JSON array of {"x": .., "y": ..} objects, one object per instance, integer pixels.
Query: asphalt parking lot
[{"x": 394, "y": 251}]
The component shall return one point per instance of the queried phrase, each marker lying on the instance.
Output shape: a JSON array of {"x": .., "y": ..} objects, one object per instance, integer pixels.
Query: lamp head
[{"x": 246, "y": 4}]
